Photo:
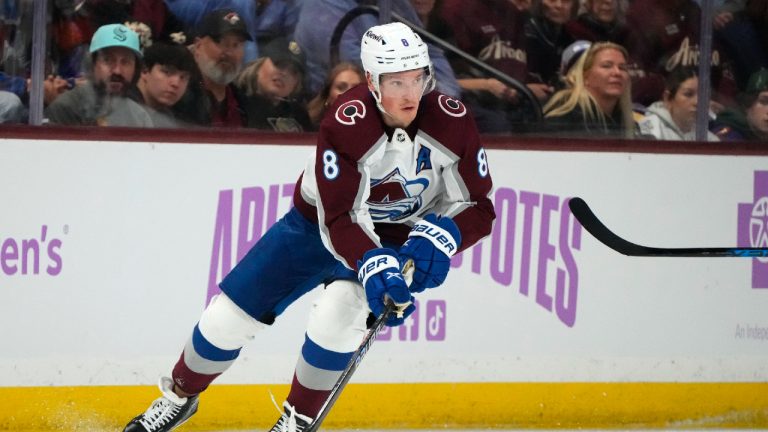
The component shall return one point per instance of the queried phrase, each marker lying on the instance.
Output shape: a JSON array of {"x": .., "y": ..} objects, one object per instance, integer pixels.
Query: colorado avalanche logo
[
  {"x": 347, "y": 112},
  {"x": 451, "y": 106},
  {"x": 394, "y": 197}
]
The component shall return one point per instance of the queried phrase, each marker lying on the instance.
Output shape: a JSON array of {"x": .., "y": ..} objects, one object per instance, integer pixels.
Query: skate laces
[
  {"x": 159, "y": 414},
  {"x": 287, "y": 421},
  {"x": 164, "y": 409}
]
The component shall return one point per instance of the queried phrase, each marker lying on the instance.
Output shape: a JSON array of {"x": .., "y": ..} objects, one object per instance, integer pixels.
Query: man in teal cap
[
  {"x": 751, "y": 123},
  {"x": 116, "y": 63}
]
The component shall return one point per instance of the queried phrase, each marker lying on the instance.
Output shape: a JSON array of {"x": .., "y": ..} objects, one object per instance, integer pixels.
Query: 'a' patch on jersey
[{"x": 423, "y": 160}]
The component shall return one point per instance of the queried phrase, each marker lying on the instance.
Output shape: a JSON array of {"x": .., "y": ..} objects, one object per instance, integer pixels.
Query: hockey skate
[
  {"x": 291, "y": 421},
  {"x": 166, "y": 413}
]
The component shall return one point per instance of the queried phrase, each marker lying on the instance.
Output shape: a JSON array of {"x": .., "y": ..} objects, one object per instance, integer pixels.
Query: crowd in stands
[{"x": 596, "y": 68}]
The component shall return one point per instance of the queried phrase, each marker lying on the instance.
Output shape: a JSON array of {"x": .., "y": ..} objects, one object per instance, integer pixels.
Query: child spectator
[{"x": 164, "y": 79}]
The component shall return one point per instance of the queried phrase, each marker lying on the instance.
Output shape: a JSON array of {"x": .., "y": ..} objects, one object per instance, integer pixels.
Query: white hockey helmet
[{"x": 394, "y": 47}]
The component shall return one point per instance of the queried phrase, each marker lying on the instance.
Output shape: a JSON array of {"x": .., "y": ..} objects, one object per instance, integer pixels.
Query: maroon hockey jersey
[{"x": 367, "y": 183}]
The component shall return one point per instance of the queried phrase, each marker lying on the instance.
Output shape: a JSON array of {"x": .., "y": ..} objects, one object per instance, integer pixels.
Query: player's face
[
  {"x": 682, "y": 105},
  {"x": 607, "y": 77},
  {"x": 757, "y": 114},
  {"x": 163, "y": 85},
  {"x": 400, "y": 96},
  {"x": 114, "y": 67}
]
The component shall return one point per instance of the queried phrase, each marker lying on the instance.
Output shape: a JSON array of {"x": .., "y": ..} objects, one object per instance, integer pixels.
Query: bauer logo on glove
[
  {"x": 438, "y": 236},
  {"x": 431, "y": 244},
  {"x": 382, "y": 279}
]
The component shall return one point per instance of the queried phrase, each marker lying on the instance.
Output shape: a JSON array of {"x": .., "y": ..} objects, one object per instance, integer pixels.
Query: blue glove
[
  {"x": 381, "y": 277},
  {"x": 431, "y": 244}
]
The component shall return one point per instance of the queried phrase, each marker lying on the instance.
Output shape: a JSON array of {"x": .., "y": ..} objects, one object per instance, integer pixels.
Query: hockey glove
[
  {"x": 431, "y": 244},
  {"x": 381, "y": 277}
]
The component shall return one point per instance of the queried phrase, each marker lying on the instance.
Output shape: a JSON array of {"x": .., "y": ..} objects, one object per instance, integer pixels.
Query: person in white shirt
[{"x": 674, "y": 117}]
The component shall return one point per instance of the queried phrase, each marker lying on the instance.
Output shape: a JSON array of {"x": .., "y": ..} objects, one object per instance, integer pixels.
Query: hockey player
[{"x": 399, "y": 174}]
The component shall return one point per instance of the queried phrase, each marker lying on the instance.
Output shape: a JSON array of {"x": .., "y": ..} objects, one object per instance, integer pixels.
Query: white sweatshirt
[{"x": 659, "y": 124}]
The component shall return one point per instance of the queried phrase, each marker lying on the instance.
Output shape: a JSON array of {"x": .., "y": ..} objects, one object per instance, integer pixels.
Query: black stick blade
[{"x": 592, "y": 224}]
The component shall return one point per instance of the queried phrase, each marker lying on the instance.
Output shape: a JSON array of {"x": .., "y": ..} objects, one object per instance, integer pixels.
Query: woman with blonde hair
[{"x": 597, "y": 98}]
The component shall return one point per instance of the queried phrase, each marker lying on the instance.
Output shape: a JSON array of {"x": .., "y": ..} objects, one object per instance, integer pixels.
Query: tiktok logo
[
  {"x": 432, "y": 319},
  {"x": 753, "y": 228}
]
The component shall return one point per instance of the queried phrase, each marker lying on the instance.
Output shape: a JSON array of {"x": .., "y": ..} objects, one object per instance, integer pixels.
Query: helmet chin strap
[{"x": 377, "y": 97}]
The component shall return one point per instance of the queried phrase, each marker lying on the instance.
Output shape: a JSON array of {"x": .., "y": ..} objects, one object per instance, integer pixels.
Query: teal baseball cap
[{"x": 115, "y": 35}]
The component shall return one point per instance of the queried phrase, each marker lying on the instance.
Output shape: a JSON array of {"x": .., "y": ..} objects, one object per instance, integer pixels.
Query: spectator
[
  {"x": 674, "y": 117},
  {"x": 218, "y": 50},
  {"x": 740, "y": 38},
  {"x": 430, "y": 13},
  {"x": 602, "y": 21},
  {"x": 546, "y": 39},
  {"x": 664, "y": 34},
  {"x": 164, "y": 79},
  {"x": 12, "y": 110},
  {"x": 597, "y": 100},
  {"x": 493, "y": 33},
  {"x": 264, "y": 19},
  {"x": 53, "y": 86},
  {"x": 750, "y": 122},
  {"x": 317, "y": 21},
  {"x": 757, "y": 13},
  {"x": 101, "y": 100},
  {"x": 569, "y": 58},
  {"x": 342, "y": 77},
  {"x": 272, "y": 87},
  {"x": 164, "y": 26}
]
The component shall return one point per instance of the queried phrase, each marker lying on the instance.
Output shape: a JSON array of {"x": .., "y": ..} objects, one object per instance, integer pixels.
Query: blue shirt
[
  {"x": 317, "y": 21},
  {"x": 278, "y": 18}
]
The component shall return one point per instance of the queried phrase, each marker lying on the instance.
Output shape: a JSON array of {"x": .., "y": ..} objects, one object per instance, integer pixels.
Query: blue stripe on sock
[
  {"x": 208, "y": 351},
  {"x": 322, "y": 358}
]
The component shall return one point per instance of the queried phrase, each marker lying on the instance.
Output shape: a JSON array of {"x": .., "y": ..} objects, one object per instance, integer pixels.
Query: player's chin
[{"x": 406, "y": 116}]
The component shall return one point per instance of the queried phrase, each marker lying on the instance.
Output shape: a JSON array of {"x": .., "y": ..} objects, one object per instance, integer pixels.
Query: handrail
[{"x": 338, "y": 32}]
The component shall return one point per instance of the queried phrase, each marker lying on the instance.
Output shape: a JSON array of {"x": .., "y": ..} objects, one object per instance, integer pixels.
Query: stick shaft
[{"x": 358, "y": 355}]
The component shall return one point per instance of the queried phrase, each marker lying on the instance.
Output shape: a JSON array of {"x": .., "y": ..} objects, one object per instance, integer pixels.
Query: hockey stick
[
  {"x": 358, "y": 355},
  {"x": 591, "y": 223}
]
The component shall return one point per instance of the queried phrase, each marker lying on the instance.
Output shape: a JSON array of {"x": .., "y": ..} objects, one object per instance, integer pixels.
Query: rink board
[{"x": 110, "y": 250}]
